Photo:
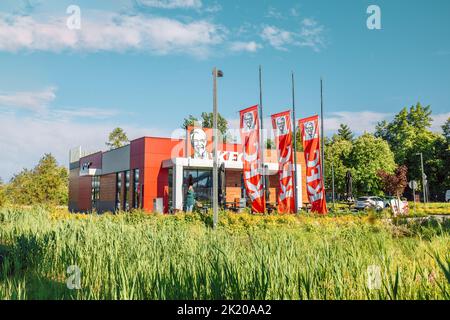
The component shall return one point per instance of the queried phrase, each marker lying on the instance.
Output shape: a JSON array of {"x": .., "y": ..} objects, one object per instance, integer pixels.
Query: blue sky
[{"x": 146, "y": 64}]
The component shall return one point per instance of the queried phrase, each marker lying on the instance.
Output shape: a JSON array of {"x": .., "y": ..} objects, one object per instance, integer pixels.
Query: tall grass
[{"x": 137, "y": 256}]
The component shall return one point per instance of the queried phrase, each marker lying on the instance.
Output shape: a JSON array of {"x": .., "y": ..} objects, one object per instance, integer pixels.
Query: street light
[
  {"x": 216, "y": 74},
  {"x": 423, "y": 176}
]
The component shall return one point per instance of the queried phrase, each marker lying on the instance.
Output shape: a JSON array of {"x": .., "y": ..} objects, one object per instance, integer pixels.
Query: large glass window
[
  {"x": 202, "y": 183},
  {"x": 136, "y": 189},
  {"x": 95, "y": 191},
  {"x": 118, "y": 191},
  {"x": 126, "y": 200}
]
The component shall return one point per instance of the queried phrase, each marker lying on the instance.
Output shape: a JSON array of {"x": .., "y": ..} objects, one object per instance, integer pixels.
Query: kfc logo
[
  {"x": 199, "y": 142},
  {"x": 282, "y": 128},
  {"x": 249, "y": 122},
  {"x": 310, "y": 131}
]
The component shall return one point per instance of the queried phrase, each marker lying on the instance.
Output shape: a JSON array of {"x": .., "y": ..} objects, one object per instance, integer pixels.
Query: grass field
[{"x": 139, "y": 256}]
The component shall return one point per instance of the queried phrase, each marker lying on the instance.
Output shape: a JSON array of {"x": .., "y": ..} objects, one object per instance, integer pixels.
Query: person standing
[{"x": 190, "y": 198}]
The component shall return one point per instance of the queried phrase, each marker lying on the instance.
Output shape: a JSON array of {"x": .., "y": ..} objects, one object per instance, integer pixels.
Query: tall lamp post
[
  {"x": 423, "y": 176},
  {"x": 216, "y": 74}
]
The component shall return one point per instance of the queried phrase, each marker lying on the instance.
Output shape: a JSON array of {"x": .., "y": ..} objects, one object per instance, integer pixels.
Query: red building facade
[{"x": 151, "y": 174}]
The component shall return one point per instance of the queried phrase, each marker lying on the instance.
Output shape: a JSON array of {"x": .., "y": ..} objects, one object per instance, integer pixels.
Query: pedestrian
[{"x": 190, "y": 198}]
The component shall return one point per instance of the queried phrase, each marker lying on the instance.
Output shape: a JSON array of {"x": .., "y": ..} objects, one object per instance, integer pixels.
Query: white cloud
[
  {"x": 213, "y": 8},
  {"x": 310, "y": 35},
  {"x": 171, "y": 4},
  {"x": 278, "y": 38},
  {"x": 362, "y": 121},
  {"x": 438, "y": 121},
  {"x": 36, "y": 101},
  {"x": 104, "y": 31},
  {"x": 251, "y": 46},
  {"x": 294, "y": 12},
  {"x": 24, "y": 140},
  {"x": 358, "y": 121},
  {"x": 273, "y": 13},
  {"x": 91, "y": 113}
]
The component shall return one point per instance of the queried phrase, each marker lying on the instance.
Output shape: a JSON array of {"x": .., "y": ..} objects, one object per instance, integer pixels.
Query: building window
[
  {"x": 126, "y": 200},
  {"x": 95, "y": 191},
  {"x": 118, "y": 191},
  {"x": 202, "y": 183},
  {"x": 136, "y": 189}
]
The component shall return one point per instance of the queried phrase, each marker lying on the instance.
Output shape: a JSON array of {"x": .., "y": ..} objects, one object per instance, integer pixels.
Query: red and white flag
[
  {"x": 309, "y": 129},
  {"x": 281, "y": 123},
  {"x": 250, "y": 137}
]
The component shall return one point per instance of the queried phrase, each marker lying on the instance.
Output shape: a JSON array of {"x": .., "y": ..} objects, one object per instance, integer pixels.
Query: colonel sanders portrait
[
  {"x": 310, "y": 130},
  {"x": 249, "y": 121},
  {"x": 199, "y": 141},
  {"x": 281, "y": 126}
]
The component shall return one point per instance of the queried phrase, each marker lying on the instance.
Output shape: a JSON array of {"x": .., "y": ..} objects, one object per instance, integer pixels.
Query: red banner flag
[
  {"x": 281, "y": 123},
  {"x": 250, "y": 137},
  {"x": 309, "y": 129}
]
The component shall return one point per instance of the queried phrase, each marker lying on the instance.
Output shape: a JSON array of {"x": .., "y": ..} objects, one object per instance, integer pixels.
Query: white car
[
  {"x": 369, "y": 203},
  {"x": 447, "y": 196}
]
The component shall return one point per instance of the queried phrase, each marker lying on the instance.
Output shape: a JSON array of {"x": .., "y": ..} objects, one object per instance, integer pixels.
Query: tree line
[{"x": 383, "y": 162}]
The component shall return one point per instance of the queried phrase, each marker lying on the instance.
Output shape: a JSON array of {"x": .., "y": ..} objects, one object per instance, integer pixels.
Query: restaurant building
[{"x": 152, "y": 173}]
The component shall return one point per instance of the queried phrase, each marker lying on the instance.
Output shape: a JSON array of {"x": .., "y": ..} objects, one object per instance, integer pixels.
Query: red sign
[
  {"x": 309, "y": 129},
  {"x": 250, "y": 137},
  {"x": 281, "y": 123}
]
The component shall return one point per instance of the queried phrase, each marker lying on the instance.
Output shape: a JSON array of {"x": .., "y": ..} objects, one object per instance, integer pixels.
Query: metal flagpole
[
  {"x": 216, "y": 73},
  {"x": 215, "y": 165},
  {"x": 295, "y": 144},
  {"x": 332, "y": 180},
  {"x": 322, "y": 132},
  {"x": 262, "y": 133}
]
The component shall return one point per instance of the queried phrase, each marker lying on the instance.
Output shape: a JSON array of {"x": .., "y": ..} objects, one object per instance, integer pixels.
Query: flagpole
[
  {"x": 295, "y": 144},
  {"x": 262, "y": 133},
  {"x": 322, "y": 132}
]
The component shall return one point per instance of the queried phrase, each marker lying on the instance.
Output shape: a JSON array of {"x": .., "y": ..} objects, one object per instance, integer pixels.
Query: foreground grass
[{"x": 138, "y": 256}]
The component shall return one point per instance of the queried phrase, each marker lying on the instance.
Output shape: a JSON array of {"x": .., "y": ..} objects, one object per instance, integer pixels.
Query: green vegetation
[
  {"x": 138, "y": 256},
  {"x": 117, "y": 138},
  {"x": 364, "y": 157},
  {"x": 394, "y": 145},
  {"x": 46, "y": 183},
  {"x": 408, "y": 134},
  {"x": 207, "y": 122}
]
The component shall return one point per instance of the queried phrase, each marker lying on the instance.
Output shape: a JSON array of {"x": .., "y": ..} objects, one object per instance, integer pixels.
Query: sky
[{"x": 145, "y": 65}]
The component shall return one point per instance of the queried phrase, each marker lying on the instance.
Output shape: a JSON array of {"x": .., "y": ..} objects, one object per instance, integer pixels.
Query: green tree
[
  {"x": 117, "y": 138},
  {"x": 270, "y": 144},
  {"x": 369, "y": 155},
  {"x": 222, "y": 123},
  {"x": 345, "y": 133},
  {"x": 298, "y": 140},
  {"x": 190, "y": 121},
  {"x": 337, "y": 154},
  {"x": 409, "y": 134},
  {"x": 47, "y": 183},
  {"x": 446, "y": 130},
  {"x": 207, "y": 122}
]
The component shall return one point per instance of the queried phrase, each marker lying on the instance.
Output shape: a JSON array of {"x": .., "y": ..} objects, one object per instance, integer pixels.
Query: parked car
[
  {"x": 447, "y": 196},
  {"x": 369, "y": 202},
  {"x": 387, "y": 201}
]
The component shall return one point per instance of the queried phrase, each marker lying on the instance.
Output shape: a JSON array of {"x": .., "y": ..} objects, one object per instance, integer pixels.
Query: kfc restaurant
[{"x": 152, "y": 173}]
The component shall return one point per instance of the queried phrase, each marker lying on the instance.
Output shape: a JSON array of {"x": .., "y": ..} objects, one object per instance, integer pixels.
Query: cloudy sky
[{"x": 146, "y": 64}]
